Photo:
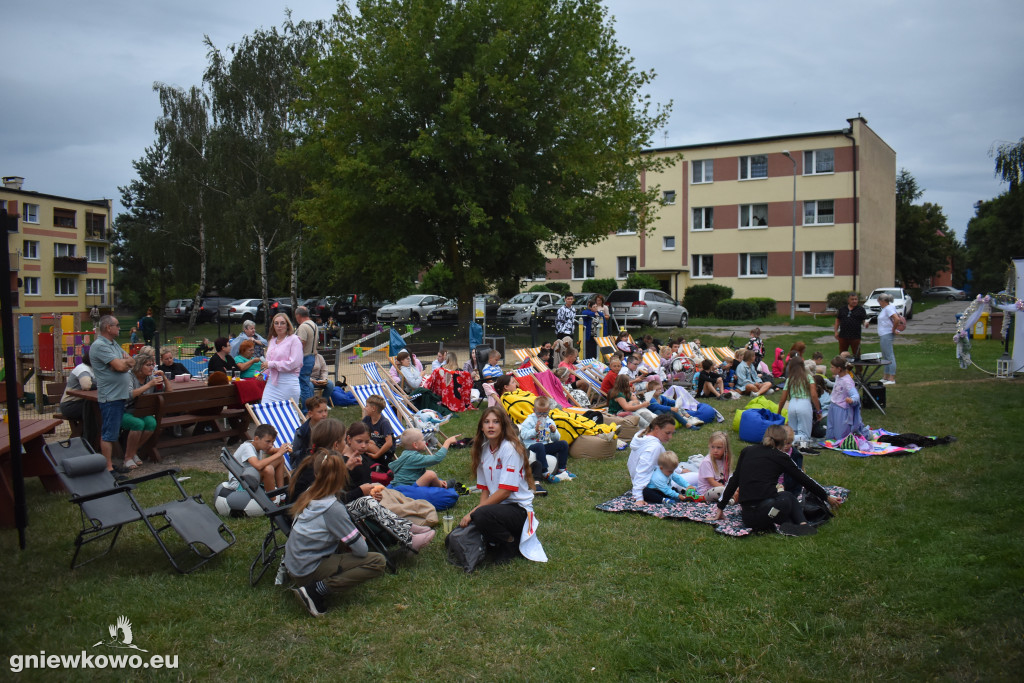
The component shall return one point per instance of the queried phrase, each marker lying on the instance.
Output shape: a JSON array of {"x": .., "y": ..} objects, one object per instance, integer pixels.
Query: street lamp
[{"x": 792, "y": 265}]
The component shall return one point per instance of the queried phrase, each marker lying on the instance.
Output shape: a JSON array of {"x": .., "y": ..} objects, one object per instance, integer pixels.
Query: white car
[
  {"x": 519, "y": 309},
  {"x": 412, "y": 308},
  {"x": 900, "y": 299}
]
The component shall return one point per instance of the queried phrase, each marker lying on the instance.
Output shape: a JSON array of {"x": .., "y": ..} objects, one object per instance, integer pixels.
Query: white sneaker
[
  {"x": 562, "y": 476},
  {"x": 888, "y": 381}
]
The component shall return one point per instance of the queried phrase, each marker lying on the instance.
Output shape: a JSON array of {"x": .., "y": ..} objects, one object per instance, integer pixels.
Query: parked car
[
  {"x": 412, "y": 308},
  {"x": 243, "y": 309},
  {"x": 947, "y": 293},
  {"x": 900, "y": 299},
  {"x": 281, "y": 304},
  {"x": 177, "y": 309},
  {"x": 448, "y": 313},
  {"x": 348, "y": 309},
  {"x": 650, "y": 307},
  {"x": 519, "y": 309},
  {"x": 210, "y": 308}
]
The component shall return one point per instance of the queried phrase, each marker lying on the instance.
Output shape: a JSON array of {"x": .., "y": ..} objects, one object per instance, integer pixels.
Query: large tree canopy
[
  {"x": 477, "y": 133},
  {"x": 923, "y": 243},
  {"x": 996, "y": 233}
]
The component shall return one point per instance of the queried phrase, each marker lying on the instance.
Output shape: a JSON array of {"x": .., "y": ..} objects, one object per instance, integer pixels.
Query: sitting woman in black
[
  {"x": 221, "y": 361},
  {"x": 756, "y": 476}
]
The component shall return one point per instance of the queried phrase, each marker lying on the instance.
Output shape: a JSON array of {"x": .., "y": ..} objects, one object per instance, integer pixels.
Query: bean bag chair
[
  {"x": 703, "y": 412},
  {"x": 440, "y": 498},
  {"x": 756, "y": 402},
  {"x": 592, "y": 447},
  {"x": 755, "y": 421},
  {"x": 629, "y": 425},
  {"x": 340, "y": 397},
  {"x": 571, "y": 425}
]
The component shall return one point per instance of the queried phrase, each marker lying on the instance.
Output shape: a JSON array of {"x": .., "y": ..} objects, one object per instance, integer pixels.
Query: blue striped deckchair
[
  {"x": 284, "y": 416},
  {"x": 373, "y": 373},
  {"x": 365, "y": 391},
  {"x": 523, "y": 372}
]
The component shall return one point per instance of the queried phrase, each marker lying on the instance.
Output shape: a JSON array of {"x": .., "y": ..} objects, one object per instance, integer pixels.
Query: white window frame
[
  {"x": 30, "y": 213},
  {"x": 31, "y": 283},
  {"x": 94, "y": 250},
  {"x": 706, "y": 173},
  {"x": 668, "y": 197},
  {"x": 697, "y": 267},
  {"x": 744, "y": 264},
  {"x": 94, "y": 283},
  {"x": 668, "y": 243},
  {"x": 707, "y": 220},
  {"x": 750, "y": 215},
  {"x": 816, "y": 216},
  {"x": 30, "y": 246},
  {"x": 747, "y": 167},
  {"x": 69, "y": 247},
  {"x": 73, "y": 288},
  {"x": 629, "y": 262},
  {"x": 588, "y": 267},
  {"x": 811, "y": 162},
  {"x": 813, "y": 256}
]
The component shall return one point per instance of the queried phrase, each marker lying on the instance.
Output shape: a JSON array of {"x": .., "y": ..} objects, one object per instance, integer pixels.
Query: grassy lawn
[{"x": 920, "y": 575}]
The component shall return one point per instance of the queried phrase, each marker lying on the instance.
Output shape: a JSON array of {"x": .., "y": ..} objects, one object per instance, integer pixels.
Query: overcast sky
[{"x": 939, "y": 80}]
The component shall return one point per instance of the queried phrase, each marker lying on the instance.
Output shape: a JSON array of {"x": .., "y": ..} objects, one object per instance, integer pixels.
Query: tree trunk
[
  {"x": 202, "y": 279},
  {"x": 263, "y": 280},
  {"x": 296, "y": 252}
]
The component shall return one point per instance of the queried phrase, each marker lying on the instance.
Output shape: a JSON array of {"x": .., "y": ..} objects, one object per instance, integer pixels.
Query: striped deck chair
[
  {"x": 651, "y": 360},
  {"x": 523, "y": 354},
  {"x": 726, "y": 352},
  {"x": 605, "y": 343},
  {"x": 284, "y": 416},
  {"x": 591, "y": 375},
  {"x": 365, "y": 391},
  {"x": 550, "y": 386},
  {"x": 383, "y": 377},
  {"x": 402, "y": 402},
  {"x": 524, "y": 378}
]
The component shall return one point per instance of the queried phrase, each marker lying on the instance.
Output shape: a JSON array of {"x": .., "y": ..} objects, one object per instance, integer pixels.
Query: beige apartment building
[
  {"x": 727, "y": 218},
  {"x": 61, "y": 252}
]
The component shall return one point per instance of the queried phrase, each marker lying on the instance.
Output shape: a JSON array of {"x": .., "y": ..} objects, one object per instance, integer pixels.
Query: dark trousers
[
  {"x": 756, "y": 515},
  {"x": 501, "y": 526},
  {"x": 559, "y": 449},
  {"x": 653, "y": 495},
  {"x": 789, "y": 483}
]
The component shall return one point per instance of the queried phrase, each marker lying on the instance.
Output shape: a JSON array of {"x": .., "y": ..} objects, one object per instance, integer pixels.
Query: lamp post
[{"x": 792, "y": 265}]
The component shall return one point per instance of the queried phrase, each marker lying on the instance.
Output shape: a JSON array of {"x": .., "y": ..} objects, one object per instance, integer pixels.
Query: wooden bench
[
  {"x": 205, "y": 405},
  {"x": 54, "y": 392}
]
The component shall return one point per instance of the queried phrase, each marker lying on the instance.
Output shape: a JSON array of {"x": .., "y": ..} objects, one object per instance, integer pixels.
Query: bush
[
  {"x": 736, "y": 309},
  {"x": 838, "y": 299},
  {"x": 700, "y": 300},
  {"x": 438, "y": 280},
  {"x": 603, "y": 286},
  {"x": 540, "y": 288},
  {"x": 641, "y": 281},
  {"x": 562, "y": 288},
  {"x": 765, "y": 306}
]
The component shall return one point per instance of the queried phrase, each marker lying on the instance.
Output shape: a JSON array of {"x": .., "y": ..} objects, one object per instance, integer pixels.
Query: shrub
[
  {"x": 700, "y": 300},
  {"x": 602, "y": 286},
  {"x": 837, "y": 299},
  {"x": 736, "y": 309},
  {"x": 765, "y": 306},
  {"x": 562, "y": 288},
  {"x": 540, "y": 288},
  {"x": 641, "y": 281},
  {"x": 438, "y": 280}
]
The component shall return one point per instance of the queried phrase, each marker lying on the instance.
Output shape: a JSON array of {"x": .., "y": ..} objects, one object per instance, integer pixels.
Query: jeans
[
  {"x": 658, "y": 408},
  {"x": 559, "y": 449},
  {"x": 801, "y": 418},
  {"x": 305, "y": 381},
  {"x": 887, "y": 353}
]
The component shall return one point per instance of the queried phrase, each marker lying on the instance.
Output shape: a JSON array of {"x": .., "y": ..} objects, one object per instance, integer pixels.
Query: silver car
[
  {"x": 242, "y": 309},
  {"x": 519, "y": 309},
  {"x": 651, "y": 307},
  {"x": 412, "y": 308}
]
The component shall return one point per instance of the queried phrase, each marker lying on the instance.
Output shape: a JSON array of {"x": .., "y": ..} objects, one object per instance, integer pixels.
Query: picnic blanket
[
  {"x": 732, "y": 525},
  {"x": 858, "y": 446}
]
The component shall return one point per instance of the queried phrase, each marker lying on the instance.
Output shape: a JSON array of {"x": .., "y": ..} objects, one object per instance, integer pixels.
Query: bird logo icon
[{"x": 120, "y": 635}]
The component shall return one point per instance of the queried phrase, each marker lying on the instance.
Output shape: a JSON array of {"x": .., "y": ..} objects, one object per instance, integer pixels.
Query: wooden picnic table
[
  {"x": 34, "y": 463},
  {"x": 189, "y": 403}
]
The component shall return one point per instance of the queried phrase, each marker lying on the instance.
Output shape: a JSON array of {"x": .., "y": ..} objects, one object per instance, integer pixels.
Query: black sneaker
[
  {"x": 314, "y": 603},
  {"x": 541, "y": 491}
]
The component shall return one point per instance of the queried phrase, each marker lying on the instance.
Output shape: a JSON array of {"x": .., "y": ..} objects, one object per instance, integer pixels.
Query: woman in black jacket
[{"x": 757, "y": 474}]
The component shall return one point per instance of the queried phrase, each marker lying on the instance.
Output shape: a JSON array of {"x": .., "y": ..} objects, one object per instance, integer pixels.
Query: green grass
[{"x": 919, "y": 576}]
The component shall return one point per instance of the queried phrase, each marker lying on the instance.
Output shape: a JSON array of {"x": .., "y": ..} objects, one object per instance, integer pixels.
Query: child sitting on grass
[
  {"x": 709, "y": 382},
  {"x": 381, "y": 434},
  {"x": 410, "y": 469},
  {"x": 713, "y": 475},
  {"x": 271, "y": 468},
  {"x": 660, "y": 489}
]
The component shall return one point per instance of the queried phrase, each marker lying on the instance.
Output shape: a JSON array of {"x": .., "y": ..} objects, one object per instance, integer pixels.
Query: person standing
[
  {"x": 888, "y": 319},
  {"x": 849, "y": 320},
  {"x": 147, "y": 325},
  {"x": 565, "y": 319},
  {"x": 284, "y": 361},
  {"x": 306, "y": 332},
  {"x": 111, "y": 366}
]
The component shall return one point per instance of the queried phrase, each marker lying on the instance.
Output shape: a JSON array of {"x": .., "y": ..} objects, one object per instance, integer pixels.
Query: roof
[
  {"x": 103, "y": 203},
  {"x": 770, "y": 138}
]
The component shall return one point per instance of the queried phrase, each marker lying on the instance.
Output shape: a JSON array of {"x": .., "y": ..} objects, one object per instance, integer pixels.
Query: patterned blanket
[
  {"x": 732, "y": 525},
  {"x": 858, "y": 446}
]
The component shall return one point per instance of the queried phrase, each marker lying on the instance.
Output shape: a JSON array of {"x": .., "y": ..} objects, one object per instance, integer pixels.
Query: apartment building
[
  {"x": 61, "y": 251},
  {"x": 727, "y": 216}
]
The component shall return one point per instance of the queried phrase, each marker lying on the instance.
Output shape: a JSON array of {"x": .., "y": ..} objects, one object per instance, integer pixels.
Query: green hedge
[
  {"x": 641, "y": 281},
  {"x": 736, "y": 309},
  {"x": 700, "y": 300},
  {"x": 765, "y": 306},
  {"x": 602, "y": 286},
  {"x": 562, "y": 288},
  {"x": 837, "y": 299},
  {"x": 540, "y": 288}
]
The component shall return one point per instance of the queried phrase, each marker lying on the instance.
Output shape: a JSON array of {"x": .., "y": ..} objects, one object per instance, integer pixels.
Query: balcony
[
  {"x": 95, "y": 300},
  {"x": 96, "y": 227},
  {"x": 69, "y": 264},
  {"x": 15, "y": 258}
]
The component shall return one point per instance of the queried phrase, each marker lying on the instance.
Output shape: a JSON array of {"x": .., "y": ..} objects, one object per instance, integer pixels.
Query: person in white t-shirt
[{"x": 887, "y": 320}]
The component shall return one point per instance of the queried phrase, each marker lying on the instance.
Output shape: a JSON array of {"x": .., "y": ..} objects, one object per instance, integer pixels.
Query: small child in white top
[
  {"x": 271, "y": 468},
  {"x": 713, "y": 475}
]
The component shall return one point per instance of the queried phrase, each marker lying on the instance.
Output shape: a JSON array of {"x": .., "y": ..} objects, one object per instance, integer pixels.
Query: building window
[
  {"x": 755, "y": 166},
  {"x": 753, "y": 215},
  {"x": 753, "y": 265},
  {"x": 95, "y": 254},
  {"x": 668, "y": 197},
  {"x": 31, "y": 286},
  {"x": 820, "y": 212},
  {"x": 704, "y": 218},
  {"x": 95, "y": 287},
  {"x": 30, "y": 249},
  {"x": 819, "y": 264},
  {"x": 668, "y": 243},
  {"x": 65, "y": 286},
  {"x": 582, "y": 268},
  {"x": 30, "y": 213},
  {"x": 703, "y": 265},
  {"x": 625, "y": 265},
  {"x": 64, "y": 249},
  {"x": 818, "y": 161},
  {"x": 703, "y": 172},
  {"x": 63, "y": 218}
]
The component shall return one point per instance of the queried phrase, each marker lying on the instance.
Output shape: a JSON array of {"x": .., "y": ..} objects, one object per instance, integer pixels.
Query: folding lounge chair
[
  {"x": 284, "y": 416},
  {"x": 106, "y": 506},
  {"x": 592, "y": 377},
  {"x": 651, "y": 360},
  {"x": 522, "y": 355},
  {"x": 365, "y": 391}
]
